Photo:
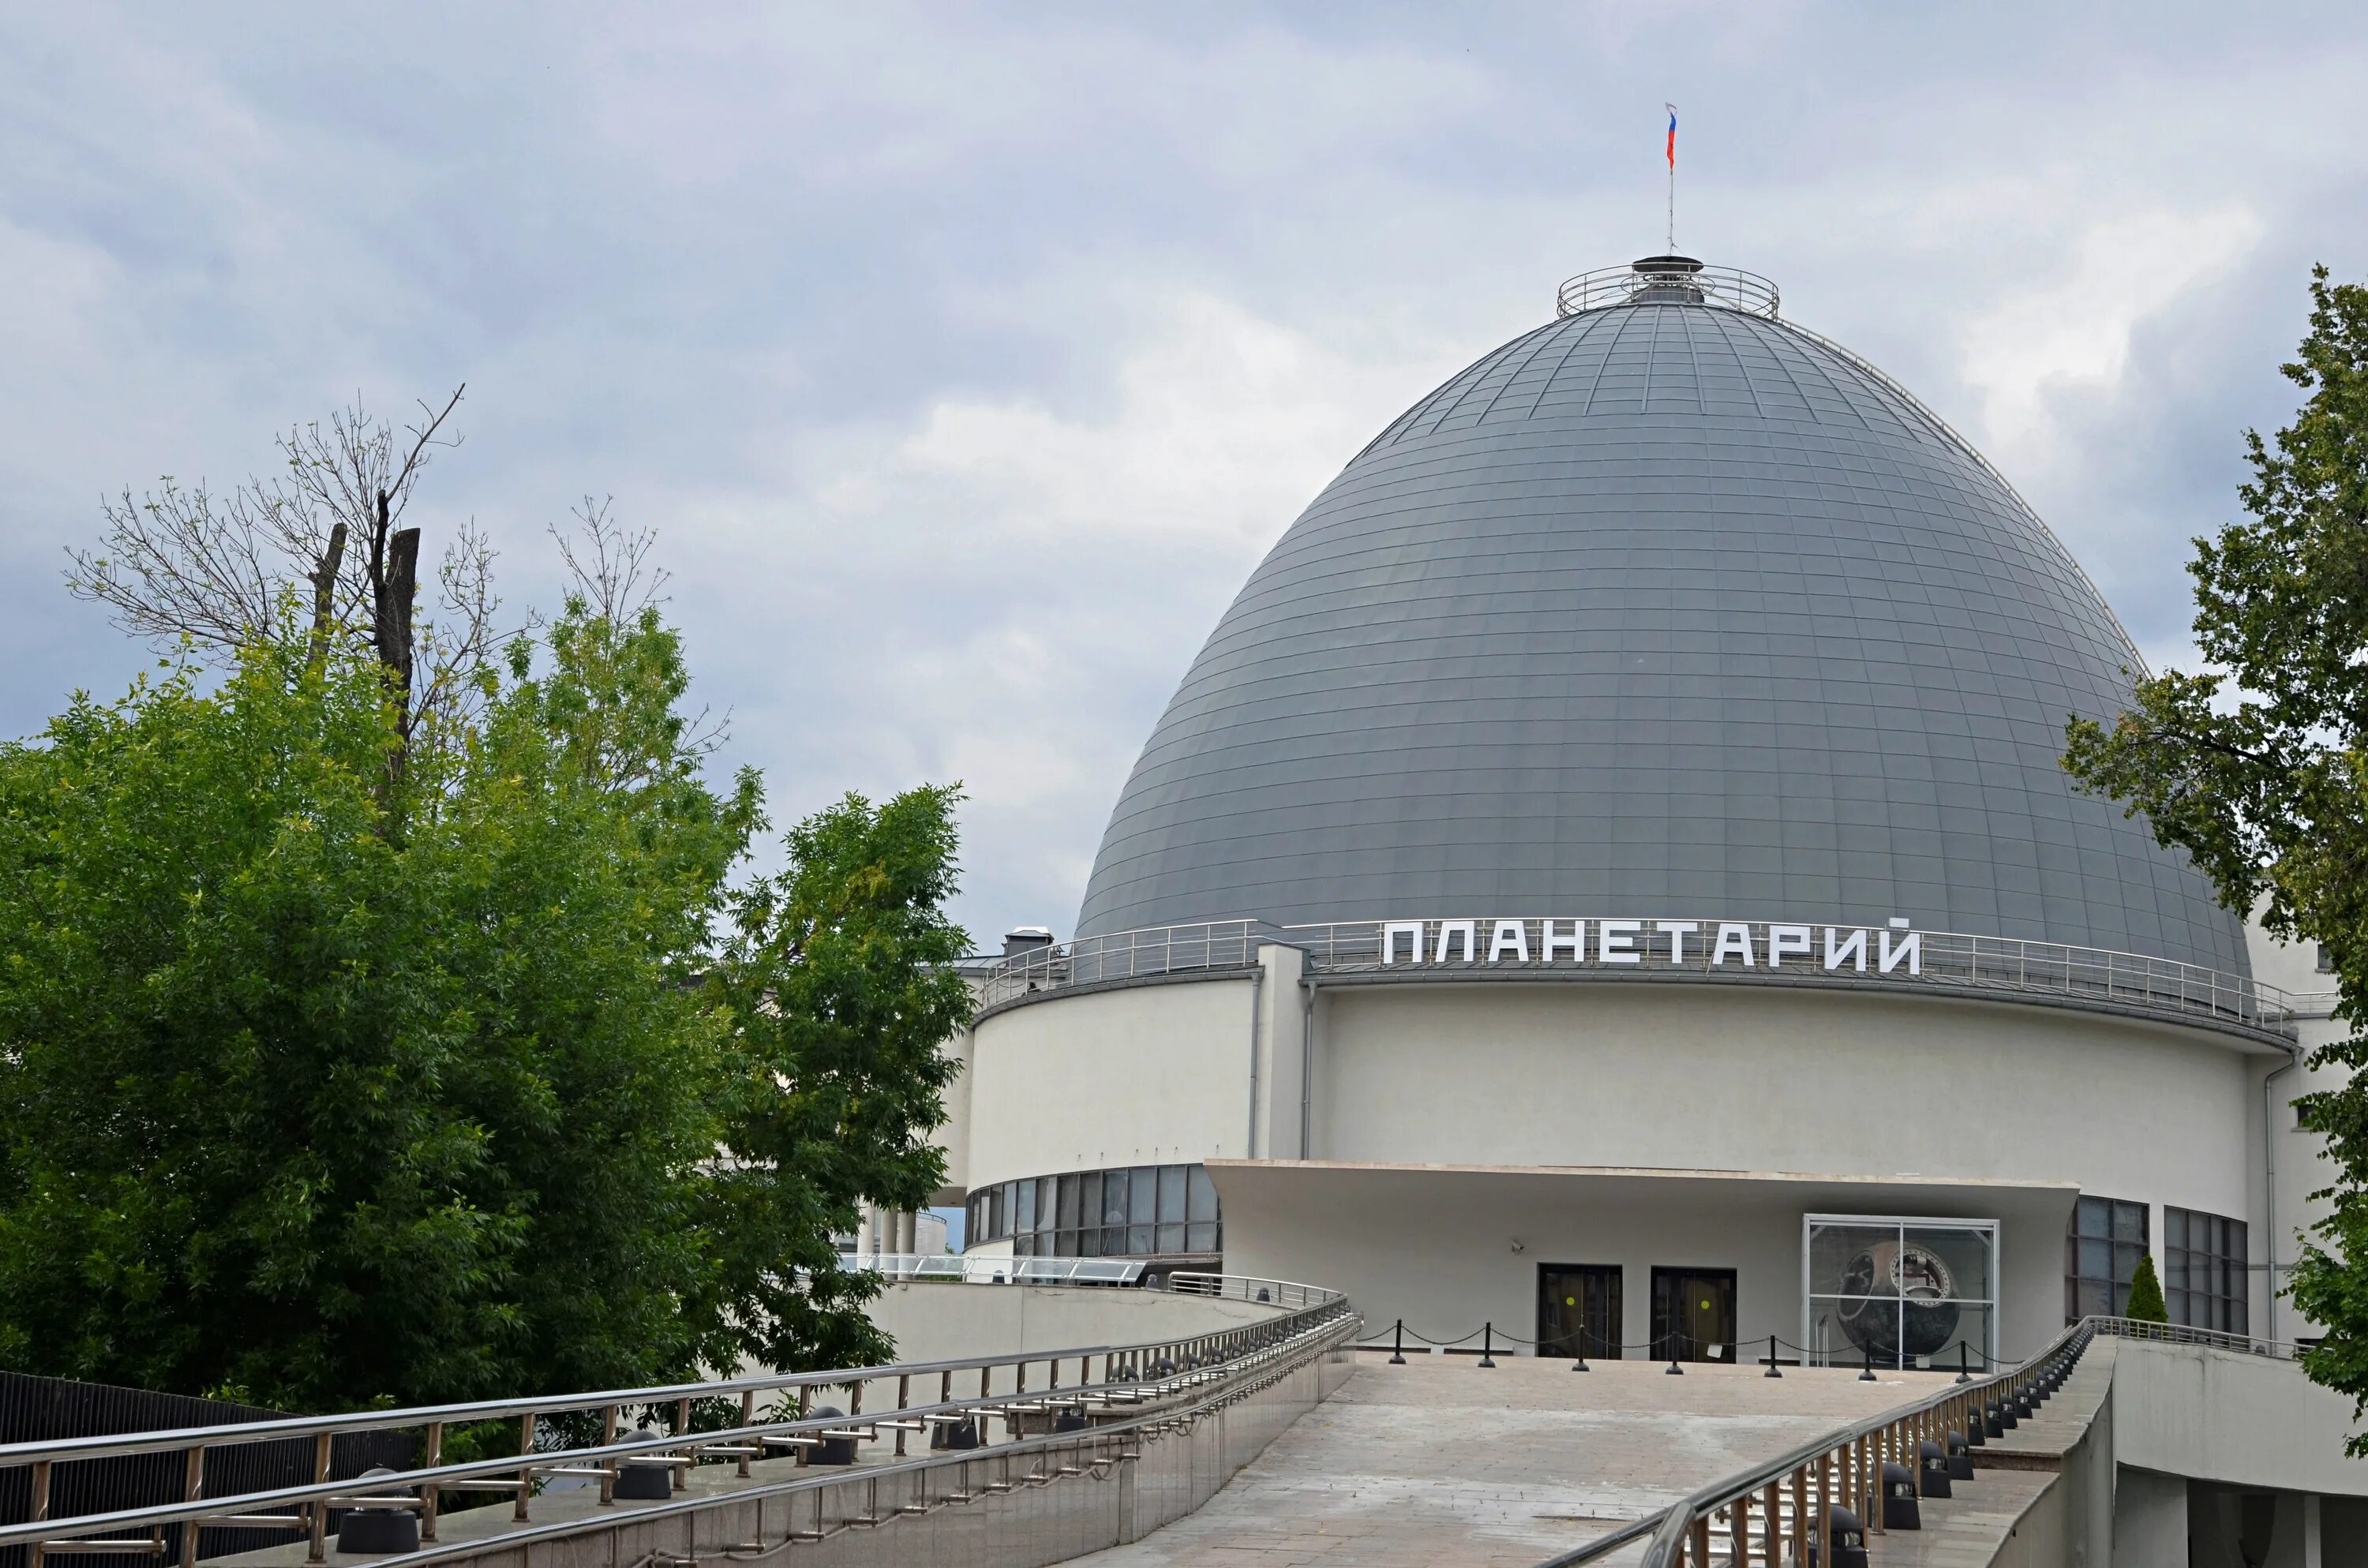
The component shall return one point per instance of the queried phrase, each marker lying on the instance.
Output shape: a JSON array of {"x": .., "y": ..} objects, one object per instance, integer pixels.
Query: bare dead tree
[
  {"x": 608, "y": 563},
  {"x": 180, "y": 564},
  {"x": 609, "y": 570}
]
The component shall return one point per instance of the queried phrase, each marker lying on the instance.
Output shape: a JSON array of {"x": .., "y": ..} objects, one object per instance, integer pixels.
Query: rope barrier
[{"x": 1681, "y": 1346}]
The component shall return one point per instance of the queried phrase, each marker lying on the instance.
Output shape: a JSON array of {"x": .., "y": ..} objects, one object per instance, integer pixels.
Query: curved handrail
[
  {"x": 1150, "y": 1371},
  {"x": 1669, "y": 1526}
]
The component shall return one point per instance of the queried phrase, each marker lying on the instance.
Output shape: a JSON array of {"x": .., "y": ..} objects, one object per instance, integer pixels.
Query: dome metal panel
[{"x": 1661, "y": 608}]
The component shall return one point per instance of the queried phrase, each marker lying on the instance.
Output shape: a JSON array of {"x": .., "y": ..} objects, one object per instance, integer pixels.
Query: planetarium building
[{"x": 1606, "y": 883}]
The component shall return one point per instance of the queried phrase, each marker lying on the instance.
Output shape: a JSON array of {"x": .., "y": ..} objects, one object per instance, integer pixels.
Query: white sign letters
[{"x": 1720, "y": 944}]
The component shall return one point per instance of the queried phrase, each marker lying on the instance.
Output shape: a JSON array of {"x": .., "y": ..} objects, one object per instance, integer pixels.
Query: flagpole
[{"x": 1673, "y": 177}]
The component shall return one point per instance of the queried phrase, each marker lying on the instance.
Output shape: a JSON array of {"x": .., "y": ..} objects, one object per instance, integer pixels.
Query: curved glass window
[{"x": 1130, "y": 1211}]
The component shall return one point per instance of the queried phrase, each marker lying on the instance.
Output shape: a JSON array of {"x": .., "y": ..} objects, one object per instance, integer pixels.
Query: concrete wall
[
  {"x": 941, "y": 1321},
  {"x": 2149, "y": 1517},
  {"x": 2239, "y": 1420},
  {"x": 1147, "y": 1075},
  {"x": 1759, "y": 1078}
]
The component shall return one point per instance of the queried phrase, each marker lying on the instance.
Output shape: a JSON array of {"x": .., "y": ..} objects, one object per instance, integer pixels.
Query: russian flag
[{"x": 1673, "y": 134}]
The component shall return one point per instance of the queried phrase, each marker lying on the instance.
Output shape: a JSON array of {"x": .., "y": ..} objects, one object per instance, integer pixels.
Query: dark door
[
  {"x": 1578, "y": 1311},
  {"x": 1693, "y": 1314}
]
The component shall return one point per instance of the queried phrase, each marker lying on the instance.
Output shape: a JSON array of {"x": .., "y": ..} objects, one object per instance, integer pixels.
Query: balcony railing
[
  {"x": 1121, "y": 955},
  {"x": 2001, "y": 968},
  {"x": 995, "y": 1270}
]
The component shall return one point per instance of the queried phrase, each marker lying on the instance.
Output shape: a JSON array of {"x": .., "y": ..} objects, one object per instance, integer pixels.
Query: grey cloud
[{"x": 729, "y": 266}]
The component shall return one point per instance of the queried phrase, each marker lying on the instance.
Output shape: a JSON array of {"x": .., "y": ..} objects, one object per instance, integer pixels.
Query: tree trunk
[
  {"x": 397, "y": 585},
  {"x": 324, "y": 592}
]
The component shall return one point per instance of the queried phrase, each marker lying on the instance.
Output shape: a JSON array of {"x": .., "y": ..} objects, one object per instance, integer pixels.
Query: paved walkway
[{"x": 1439, "y": 1464}]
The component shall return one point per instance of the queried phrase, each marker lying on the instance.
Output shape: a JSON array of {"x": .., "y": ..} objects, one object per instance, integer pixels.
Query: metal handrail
[
  {"x": 1146, "y": 1371},
  {"x": 972, "y": 1270},
  {"x": 2011, "y": 968},
  {"x": 2209, "y": 1338},
  {"x": 1675, "y": 1523},
  {"x": 1279, "y": 1362},
  {"x": 1251, "y": 1289},
  {"x": 1118, "y": 955},
  {"x": 1670, "y": 1528},
  {"x": 1948, "y": 960},
  {"x": 1726, "y": 286}
]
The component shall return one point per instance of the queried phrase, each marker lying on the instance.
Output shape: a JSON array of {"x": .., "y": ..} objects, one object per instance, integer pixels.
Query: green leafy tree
[
  {"x": 2258, "y": 766},
  {"x": 838, "y": 978},
  {"x": 2145, "y": 1303},
  {"x": 525, "y": 1095}
]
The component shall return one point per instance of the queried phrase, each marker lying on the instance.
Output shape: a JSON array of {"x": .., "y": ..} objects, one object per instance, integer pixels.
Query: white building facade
[{"x": 1606, "y": 887}]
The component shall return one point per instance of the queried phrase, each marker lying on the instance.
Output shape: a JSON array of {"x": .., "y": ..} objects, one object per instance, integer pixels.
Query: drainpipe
[
  {"x": 2270, "y": 1186},
  {"x": 1258, "y": 985},
  {"x": 1306, "y": 1063}
]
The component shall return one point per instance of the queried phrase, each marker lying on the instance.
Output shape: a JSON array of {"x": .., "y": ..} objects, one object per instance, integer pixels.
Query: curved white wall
[
  {"x": 1780, "y": 1079},
  {"x": 1146, "y": 1074},
  {"x": 1712, "y": 1077}
]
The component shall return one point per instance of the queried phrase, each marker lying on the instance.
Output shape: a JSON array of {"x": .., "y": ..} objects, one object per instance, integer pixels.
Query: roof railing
[
  {"x": 1723, "y": 286},
  {"x": 2001, "y": 968},
  {"x": 971, "y": 1270},
  {"x": 2007, "y": 967},
  {"x": 1116, "y": 956}
]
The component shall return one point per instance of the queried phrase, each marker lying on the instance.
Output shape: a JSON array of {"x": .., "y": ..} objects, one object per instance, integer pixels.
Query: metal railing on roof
[
  {"x": 971, "y": 1270},
  {"x": 2005, "y": 967},
  {"x": 2000, "y": 967},
  {"x": 1287, "y": 1294},
  {"x": 1120, "y": 955},
  {"x": 1726, "y": 285},
  {"x": 1124, "y": 1395}
]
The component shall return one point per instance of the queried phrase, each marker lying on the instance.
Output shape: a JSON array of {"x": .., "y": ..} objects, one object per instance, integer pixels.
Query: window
[
  {"x": 1140, "y": 1212},
  {"x": 2101, "y": 1256},
  {"x": 2204, "y": 1279},
  {"x": 1898, "y": 1292},
  {"x": 2326, "y": 960}
]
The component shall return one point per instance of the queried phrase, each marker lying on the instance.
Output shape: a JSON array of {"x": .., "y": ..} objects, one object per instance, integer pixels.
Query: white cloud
[{"x": 2071, "y": 329}]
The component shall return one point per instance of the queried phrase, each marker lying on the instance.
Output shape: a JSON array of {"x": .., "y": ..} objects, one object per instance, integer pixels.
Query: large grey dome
[{"x": 1662, "y": 608}]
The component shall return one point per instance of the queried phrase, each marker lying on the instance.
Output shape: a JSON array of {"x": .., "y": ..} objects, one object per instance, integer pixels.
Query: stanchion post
[
  {"x": 1488, "y": 1344},
  {"x": 1673, "y": 1369},
  {"x": 1771, "y": 1357},
  {"x": 1397, "y": 1344},
  {"x": 1964, "y": 1373},
  {"x": 1867, "y": 1376}
]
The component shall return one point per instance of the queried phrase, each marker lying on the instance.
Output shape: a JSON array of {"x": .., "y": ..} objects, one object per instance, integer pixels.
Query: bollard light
[
  {"x": 830, "y": 1450},
  {"x": 1900, "y": 1510},
  {"x": 1932, "y": 1468},
  {"x": 644, "y": 1481},
  {"x": 1845, "y": 1540},
  {"x": 373, "y": 1529},
  {"x": 1960, "y": 1458}
]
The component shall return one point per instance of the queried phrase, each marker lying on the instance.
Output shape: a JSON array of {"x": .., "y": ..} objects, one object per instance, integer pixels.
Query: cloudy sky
[{"x": 967, "y": 358}]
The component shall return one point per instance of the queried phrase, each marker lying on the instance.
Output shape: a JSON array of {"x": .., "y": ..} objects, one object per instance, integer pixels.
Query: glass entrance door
[
  {"x": 1578, "y": 1311},
  {"x": 1693, "y": 1314}
]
